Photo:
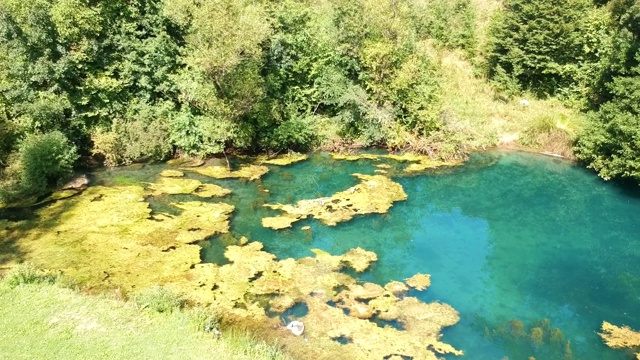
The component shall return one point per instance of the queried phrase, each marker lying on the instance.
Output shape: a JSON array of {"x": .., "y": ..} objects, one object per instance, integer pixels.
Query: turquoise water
[{"x": 512, "y": 240}]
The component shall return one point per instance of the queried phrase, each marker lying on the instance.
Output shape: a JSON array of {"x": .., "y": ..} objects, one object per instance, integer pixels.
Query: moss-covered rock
[{"x": 374, "y": 195}]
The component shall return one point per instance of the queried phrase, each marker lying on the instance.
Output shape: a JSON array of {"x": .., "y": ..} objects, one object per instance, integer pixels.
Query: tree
[
  {"x": 611, "y": 144},
  {"x": 543, "y": 45}
]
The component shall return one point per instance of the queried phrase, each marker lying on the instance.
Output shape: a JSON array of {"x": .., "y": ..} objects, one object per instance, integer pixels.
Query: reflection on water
[{"x": 532, "y": 251}]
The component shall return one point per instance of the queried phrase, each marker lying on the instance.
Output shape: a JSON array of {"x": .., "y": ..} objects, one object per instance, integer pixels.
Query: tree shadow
[{"x": 16, "y": 224}]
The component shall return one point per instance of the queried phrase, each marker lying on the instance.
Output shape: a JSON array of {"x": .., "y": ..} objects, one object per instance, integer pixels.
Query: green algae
[
  {"x": 255, "y": 281},
  {"x": 175, "y": 186},
  {"x": 107, "y": 237},
  {"x": 617, "y": 337},
  {"x": 374, "y": 195},
  {"x": 185, "y": 162},
  {"x": 419, "y": 162},
  {"x": 171, "y": 173},
  {"x": 248, "y": 172},
  {"x": 354, "y": 157},
  {"x": 536, "y": 336},
  {"x": 281, "y": 160},
  {"x": 419, "y": 281}
]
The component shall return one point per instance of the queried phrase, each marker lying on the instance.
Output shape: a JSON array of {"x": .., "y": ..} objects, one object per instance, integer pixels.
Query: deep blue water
[{"x": 511, "y": 240}]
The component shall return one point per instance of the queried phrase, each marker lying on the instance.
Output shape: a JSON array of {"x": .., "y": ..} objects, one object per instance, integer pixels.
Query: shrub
[
  {"x": 46, "y": 160},
  {"x": 159, "y": 299},
  {"x": 204, "y": 319},
  {"x": 27, "y": 274}
]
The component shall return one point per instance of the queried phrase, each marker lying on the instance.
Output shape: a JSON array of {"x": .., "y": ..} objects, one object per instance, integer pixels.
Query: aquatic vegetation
[
  {"x": 249, "y": 172},
  {"x": 620, "y": 337},
  {"x": 281, "y": 160},
  {"x": 59, "y": 195},
  {"x": 238, "y": 289},
  {"x": 107, "y": 237},
  {"x": 396, "y": 287},
  {"x": 374, "y": 195},
  {"x": 171, "y": 173},
  {"x": 539, "y": 338},
  {"x": 419, "y": 281},
  {"x": 174, "y": 186},
  {"x": 354, "y": 157},
  {"x": 185, "y": 162},
  {"x": 419, "y": 162}
]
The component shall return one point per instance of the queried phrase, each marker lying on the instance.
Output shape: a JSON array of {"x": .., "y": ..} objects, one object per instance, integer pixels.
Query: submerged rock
[
  {"x": 374, "y": 195},
  {"x": 78, "y": 183}
]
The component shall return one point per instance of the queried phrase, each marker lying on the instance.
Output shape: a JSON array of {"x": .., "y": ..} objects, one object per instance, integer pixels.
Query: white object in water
[{"x": 296, "y": 327}]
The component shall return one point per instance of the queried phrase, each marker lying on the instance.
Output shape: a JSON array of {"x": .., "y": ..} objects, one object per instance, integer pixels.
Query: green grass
[{"x": 45, "y": 321}]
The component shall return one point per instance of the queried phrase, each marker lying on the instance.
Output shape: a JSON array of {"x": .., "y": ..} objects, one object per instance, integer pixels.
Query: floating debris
[{"x": 296, "y": 327}]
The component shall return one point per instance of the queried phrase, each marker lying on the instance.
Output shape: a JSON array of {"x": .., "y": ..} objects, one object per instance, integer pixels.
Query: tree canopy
[{"x": 147, "y": 79}]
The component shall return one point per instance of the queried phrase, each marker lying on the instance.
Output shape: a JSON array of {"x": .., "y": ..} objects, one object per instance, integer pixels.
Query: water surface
[{"x": 512, "y": 240}]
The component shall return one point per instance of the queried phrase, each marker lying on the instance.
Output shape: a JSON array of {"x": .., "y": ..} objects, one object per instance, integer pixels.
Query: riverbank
[{"x": 41, "y": 320}]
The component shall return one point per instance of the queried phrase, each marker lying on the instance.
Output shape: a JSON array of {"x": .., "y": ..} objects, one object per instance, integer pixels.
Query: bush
[
  {"x": 159, "y": 299},
  {"x": 204, "y": 319},
  {"x": 23, "y": 274},
  {"x": 143, "y": 134},
  {"x": 47, "y": 160}
]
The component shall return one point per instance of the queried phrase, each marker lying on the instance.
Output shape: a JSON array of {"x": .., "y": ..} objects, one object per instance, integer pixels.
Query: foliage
[
  {"x": 42, "y": 161},
  {"x": 544, "y": 46},
  {"x": 23, "y": 274},
  {"x": 611, "y": 144},
  {"x": 159, "y": 299},
  {"x": 143, "y": 80}
]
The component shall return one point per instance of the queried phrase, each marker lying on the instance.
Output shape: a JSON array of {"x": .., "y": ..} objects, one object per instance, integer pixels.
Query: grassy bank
[{"x": 41, "y": 320}]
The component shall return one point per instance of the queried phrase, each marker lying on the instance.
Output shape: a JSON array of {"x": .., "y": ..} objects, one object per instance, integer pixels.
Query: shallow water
[{"x": 513, "y": 241}]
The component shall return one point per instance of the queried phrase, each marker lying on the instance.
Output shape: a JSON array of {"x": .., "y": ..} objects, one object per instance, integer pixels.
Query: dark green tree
[
  {"x": 611, "y": 144},
  {"x": 543, "y": 46}
]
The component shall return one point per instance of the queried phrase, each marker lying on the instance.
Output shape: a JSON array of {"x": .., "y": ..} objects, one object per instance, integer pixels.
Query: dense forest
[{"x": 143, "y": 80}]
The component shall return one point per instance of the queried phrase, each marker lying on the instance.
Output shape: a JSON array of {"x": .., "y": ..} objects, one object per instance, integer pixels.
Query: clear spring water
[{"x": 510, "y": 239}]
